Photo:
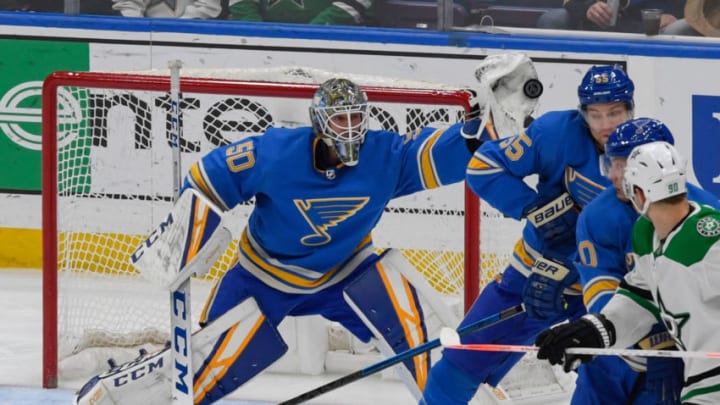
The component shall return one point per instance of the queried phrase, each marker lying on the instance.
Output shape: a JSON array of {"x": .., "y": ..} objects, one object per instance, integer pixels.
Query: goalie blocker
[{"x": 189, "y": 241}]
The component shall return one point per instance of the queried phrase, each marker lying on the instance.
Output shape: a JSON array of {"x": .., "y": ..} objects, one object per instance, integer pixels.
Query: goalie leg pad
[
  {"x": 226, "y": 353},
  {"x": 389, "y": 305},
  {"x": 144, "y": 380},
  {"x": 234, "y": 357}
]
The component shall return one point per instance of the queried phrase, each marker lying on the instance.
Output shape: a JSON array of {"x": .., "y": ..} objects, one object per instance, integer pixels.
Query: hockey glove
[
  {"x": 475, "y": 119},
  {"x": 553, "y": 218},
  {"x": 515, "y": 90},
  {"x": 592, "y": 330},
  {"x": 543, "y": 290}
]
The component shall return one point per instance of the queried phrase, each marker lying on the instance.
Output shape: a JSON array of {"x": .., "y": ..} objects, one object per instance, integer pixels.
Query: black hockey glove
[
  {"x": 554, "y": 218},
  {"x": 592, "y": 330},
  {"x": 543, "y": 291}
]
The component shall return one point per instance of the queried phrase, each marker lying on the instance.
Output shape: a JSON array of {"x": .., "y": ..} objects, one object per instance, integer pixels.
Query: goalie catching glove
[
  {"x": 508, "y": 93},
  {"x": 592, "y": 330},
  {"x": 543, "y": 290}
]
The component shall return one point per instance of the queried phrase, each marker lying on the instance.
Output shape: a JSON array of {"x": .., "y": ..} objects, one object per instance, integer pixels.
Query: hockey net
[{"x": 107, "y": 168}]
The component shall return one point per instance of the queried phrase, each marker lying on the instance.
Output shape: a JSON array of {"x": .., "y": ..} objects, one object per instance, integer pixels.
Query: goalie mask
[
  {"x": 339, "y": 116},
  {"x": 658, "y": 170}
]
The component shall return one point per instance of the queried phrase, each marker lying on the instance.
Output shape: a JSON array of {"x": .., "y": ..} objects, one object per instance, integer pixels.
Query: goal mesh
[{"x": 107, "y": 183}]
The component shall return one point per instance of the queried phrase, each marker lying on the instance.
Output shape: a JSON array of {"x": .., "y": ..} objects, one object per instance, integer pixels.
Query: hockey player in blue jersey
[
  {"x": 673, "y": 277},
  {"x": 604, "y": 247},
  {"x": 307, "y": 248},
  {"x": 562, "y": 148}
]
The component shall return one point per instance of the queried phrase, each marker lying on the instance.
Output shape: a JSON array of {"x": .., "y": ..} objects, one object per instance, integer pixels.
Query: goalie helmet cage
[{"x": 56, "y": 112}]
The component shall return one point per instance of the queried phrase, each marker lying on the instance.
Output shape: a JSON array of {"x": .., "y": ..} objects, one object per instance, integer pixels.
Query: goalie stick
[
  {"x": 400, "y": 357},
  {"x": 451, "y": 340},
  {"x": 180, "y": 318}
]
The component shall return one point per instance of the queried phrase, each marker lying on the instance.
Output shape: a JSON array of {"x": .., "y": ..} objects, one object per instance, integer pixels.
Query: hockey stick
[
  {"x": 588, "y": 351},
  {"x": 180, "y": 315},
  {"x": 400, "y": 357}
]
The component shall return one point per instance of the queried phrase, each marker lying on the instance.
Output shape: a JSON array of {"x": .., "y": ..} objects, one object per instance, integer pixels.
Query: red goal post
[{"x": 57, "y": 112}]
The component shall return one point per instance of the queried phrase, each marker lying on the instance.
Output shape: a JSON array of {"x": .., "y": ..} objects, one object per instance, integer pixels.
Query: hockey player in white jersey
[
  {"x": 200, "y": 9},
  {"x": 675, "y": 278},
  {"x": 307, "y": 248},
  {"x": 604, "y": 231}
]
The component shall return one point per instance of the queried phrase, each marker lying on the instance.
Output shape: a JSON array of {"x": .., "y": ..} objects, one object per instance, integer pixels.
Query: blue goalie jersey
[{"x": 311, "y": 227}]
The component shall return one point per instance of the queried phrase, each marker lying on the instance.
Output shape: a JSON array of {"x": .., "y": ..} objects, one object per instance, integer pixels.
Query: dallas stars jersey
[
  {"x": 559, "y": 148},
  {"x": 323, "y": 12},
  {"x": 676, "y": 281},
  {"x": 169, "y": 8},
  {"x": 604, "y": 245},
  {"x": 310, "y": 228}
]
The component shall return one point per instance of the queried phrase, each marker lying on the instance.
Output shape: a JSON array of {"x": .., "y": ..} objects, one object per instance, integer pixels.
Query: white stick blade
[{"x": 449, "y": 337}]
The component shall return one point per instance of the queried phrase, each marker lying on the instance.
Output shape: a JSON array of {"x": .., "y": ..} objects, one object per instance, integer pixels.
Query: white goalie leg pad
[
  {"x": 189, "y": 241},
  {"x": 434, "y": 304},
  {"x": 398, "y": 311},
  {"x": 148, "y": 379}
]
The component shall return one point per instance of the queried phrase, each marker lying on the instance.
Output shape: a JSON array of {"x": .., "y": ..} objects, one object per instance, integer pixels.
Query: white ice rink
[{"x": 21, "y": 363}]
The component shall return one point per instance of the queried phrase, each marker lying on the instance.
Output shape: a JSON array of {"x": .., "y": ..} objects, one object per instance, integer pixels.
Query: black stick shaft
[{"x": 400, "y": 357}]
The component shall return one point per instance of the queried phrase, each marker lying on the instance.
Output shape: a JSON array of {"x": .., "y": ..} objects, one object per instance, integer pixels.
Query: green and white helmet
[
  {"x": 658, "y": 170},
  {"x": 339, "y": 116}
]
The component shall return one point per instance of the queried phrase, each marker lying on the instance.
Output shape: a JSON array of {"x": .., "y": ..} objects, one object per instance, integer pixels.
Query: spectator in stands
[
  {"x": 130, "y": 8},
  {"x": 702, "y": 17},
  {"x": 595, "y": 15},
  {"x": 57, "y": 6},
  {"x": 322, "y": 12},
  {"x": 206, "y": 9}
]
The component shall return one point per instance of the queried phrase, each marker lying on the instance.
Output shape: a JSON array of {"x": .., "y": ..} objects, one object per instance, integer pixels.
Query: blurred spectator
[
  {"x": 702, "y": 17},
  {"x": 208, "y": 9},
  {"x": 129, "y": 8},
  {"x": 57, "y": 6},
  {"x": 323, "y": 12},
  {"x": 595, "y": 15}
]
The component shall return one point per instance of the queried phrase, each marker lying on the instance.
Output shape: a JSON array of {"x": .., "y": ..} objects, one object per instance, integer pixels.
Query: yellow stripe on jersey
[
  {"x": 477, "y": 164},
  {"x": 283, "y": 274},
  {"x": 199, "y": 181},
  {"x": 480, "y": 164},
  {"x": 411, "y": 323},
  {"x": 522, "y": 254},
  {"x": 594, "y": 289},
  {"x": 426, "y": 162}
]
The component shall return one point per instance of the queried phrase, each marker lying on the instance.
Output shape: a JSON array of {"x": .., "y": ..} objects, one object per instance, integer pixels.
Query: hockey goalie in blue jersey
[
  {"x": 604, "y": 247},
  {"x": 307, "y": 248},
  {"x": 562, "y": 148}
]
